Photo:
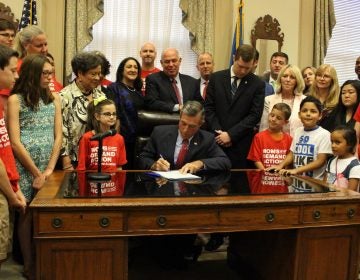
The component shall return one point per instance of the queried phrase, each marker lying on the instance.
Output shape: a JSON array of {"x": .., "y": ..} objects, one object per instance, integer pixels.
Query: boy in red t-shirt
[
  {"x": 269, "y": 148},
  {"x": 10, "y": 193}
]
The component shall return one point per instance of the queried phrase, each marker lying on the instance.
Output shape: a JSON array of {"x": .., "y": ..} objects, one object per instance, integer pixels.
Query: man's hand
[
  {"x": 160, "y": 165},
  {"x": 192, "y": 167},
  {"x": 223, "y": 138},
  {"x": 161, "y": 181}
]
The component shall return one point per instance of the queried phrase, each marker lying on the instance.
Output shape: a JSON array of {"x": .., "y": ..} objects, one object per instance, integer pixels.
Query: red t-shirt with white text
[{"x": 113, "y": 155}]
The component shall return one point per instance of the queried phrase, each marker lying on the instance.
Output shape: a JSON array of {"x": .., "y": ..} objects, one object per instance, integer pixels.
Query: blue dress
[
  {"x": 37, "y": 136},
  {"x": 128, "y": 101}
]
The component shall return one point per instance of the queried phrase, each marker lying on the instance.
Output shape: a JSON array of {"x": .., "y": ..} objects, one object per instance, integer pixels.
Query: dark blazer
[
  {"x": 239, "y": 115},
  {"x": 160, "y": 94},
  {"x": 202, "y": 147}
]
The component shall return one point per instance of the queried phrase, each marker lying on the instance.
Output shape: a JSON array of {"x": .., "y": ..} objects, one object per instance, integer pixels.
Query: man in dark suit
[
  {"x": 164, "y": 147},
  {"x": 234, "y": 104},
  {"x": 168, "y": 90},
  {"x": 162, "y": 153}
]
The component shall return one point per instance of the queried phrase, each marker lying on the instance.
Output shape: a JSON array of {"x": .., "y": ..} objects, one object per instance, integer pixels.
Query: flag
[
  {"x": 238, "y": 38},
  {"x": 28, "y": 16}
]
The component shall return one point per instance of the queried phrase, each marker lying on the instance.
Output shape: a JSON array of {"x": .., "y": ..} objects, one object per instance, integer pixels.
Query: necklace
[{"x": 129, "y": 88}]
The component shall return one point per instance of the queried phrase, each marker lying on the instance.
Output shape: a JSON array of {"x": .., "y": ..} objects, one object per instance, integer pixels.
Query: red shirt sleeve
[
  {"x": 84, "y": 152},
  {"x": 357, "y": 114},
  {"x": 122, "y": 152},
  {"x": 255, "y": 153}
]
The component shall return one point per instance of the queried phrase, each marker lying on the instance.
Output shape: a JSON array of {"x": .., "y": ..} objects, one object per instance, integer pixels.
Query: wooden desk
[{"x": 283, "y": 236}]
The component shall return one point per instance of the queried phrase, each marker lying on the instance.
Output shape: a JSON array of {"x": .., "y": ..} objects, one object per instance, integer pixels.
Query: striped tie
[{"x": 234, "y": 86}]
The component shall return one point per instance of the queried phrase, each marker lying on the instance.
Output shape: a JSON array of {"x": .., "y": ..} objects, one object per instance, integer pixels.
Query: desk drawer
[
  {"x": 86, "y": 221},
  {"x": 252, "y": 218},
  {"x": 171, "y": 220},
  {"x": 331, "y": 213}
]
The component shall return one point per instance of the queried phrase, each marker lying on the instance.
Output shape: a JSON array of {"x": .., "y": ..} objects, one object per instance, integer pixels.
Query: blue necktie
[{"x": 234, "y": 86}]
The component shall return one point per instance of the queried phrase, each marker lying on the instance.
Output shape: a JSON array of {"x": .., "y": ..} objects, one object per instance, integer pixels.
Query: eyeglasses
[
  {"x": 8, "y": 35},
  {"x": 48, "y": 73},
  {"x": 108, "y": 114},
  {"x": 323, "y": 76}
]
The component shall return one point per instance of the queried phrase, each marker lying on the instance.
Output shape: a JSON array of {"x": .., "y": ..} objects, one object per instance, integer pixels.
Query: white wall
[{"x": 288, "y": 15}]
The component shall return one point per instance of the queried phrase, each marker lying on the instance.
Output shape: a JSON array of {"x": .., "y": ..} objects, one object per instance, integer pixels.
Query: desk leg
[{"x": 85, "y": 258}]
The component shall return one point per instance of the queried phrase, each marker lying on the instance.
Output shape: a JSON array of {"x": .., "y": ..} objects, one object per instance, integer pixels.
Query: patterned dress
[
  {"x": 37, "y": 136},
  {"x": 74, "y": 116}
]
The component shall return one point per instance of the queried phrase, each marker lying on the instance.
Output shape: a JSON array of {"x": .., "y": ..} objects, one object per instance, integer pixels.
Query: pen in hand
[{"x": 163, "y": 163}]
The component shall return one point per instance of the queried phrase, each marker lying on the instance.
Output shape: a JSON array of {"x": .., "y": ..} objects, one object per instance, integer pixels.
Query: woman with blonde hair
[
  {"x": 326, "y": 88},
  {"x": 289, "y": 90},
  {"x": 31, "y": 40},
  {"x": 308, "y": 74}
]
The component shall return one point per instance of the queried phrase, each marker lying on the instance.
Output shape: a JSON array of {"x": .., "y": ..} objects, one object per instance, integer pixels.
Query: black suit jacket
[
  {"x": 202, "y": 147},
  {"x": 239, "y": 115},
  {"x": 160, "y": 94}
]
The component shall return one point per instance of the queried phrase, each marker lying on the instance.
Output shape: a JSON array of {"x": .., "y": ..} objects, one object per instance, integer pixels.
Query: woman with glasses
[
  {"x": 74, "y": 101},
  {"x": 326, "y": 89},
  {"x": 34, "y": 118},
  {"x": 126, "y": 93}
]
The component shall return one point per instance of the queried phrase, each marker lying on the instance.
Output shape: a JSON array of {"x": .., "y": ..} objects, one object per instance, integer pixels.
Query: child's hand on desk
[
  {"x": 274, "y": 169},
  {"x": 287, "y": 172},
  {"x": 38, "y": 181}
]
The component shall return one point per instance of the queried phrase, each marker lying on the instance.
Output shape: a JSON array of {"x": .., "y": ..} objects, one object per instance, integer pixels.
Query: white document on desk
[{"x": 176, "y": 175}]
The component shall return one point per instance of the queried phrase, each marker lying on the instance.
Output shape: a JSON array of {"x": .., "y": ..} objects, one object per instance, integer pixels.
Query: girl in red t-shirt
[{"x": 101, "y": 118}]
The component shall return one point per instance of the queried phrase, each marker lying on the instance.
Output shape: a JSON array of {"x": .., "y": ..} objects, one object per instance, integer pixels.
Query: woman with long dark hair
[
  {"x": 34, "y": 118},
  {"x": 343, "y": 113},
  {"x": 126, "y": 93}
]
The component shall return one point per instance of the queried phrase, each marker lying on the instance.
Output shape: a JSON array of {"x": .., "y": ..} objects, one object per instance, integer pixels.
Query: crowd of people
[{"x": 303, "y": 116}]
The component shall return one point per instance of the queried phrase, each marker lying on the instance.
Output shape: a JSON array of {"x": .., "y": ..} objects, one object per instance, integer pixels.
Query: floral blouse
[{"x": 74, "y": 116}]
